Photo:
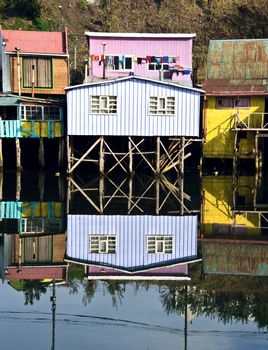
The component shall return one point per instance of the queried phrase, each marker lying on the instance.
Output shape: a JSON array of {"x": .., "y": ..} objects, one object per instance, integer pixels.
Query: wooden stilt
[
  {"x": 18, "y": 155},
  {"x": 182, "y": 157},
  {"x": 41, "y": 185},
  {"x": 130, "y": 156},
  {"x": 157, "y": 170},
  {"x": 101, "y": 155},
  {"x": 157, "y": 196},
  {"x": 18, "y": 185},
  {"x": 130, "y": 192},
  {"x": 68, "y": 147},
  {"x": 1, "y": 155},
  {"x": 61, "y": 153},
  {"x": 235, "y": 153},
  {"x": 101, "y": 193},
  {"x": 41, "y": 154},
  {"x": 1, "y": 185}
]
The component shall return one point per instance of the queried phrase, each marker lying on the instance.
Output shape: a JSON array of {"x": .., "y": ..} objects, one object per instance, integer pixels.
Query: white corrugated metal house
[
  {"x": 135, "y": 109},
  {"x": 126, "y": 245}
]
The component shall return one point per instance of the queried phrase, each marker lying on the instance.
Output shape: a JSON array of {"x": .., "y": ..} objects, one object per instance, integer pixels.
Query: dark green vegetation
[{"x": 209, "y": 19}]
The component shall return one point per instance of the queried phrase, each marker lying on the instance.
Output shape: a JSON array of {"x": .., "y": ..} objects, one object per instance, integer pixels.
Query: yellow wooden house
[{"x": 235, "y": 119}]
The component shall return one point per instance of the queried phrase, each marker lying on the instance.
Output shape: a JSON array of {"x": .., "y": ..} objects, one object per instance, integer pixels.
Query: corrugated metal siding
[
  {"x": 6, "y": 73},
  {"x": 179, "y": 48},
  {"x": 132, "y": 118},
  {"x": 238, "y": 59},
  {"x": 131, "y": 232}
]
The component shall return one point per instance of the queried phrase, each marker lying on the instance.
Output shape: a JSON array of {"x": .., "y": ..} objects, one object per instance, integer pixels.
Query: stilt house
[
  {"x": 138, "y": 103},
  {"x": 236, "y": 106},
  {"x": 33, "y": 66}
]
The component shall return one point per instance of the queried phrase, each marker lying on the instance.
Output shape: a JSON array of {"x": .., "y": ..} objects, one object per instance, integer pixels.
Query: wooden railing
[
  {"x": 29, "y": 128},
  {"x": 252, "y": 121},
  {"x": 10, "y": 128}
]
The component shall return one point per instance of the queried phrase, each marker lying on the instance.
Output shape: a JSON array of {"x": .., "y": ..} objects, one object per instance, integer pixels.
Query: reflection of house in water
[
  {"x": 32, "y": 232},
  {"x": 234, "y": 227},
  {"x": 133, "y": 247},
  {"x": 36, "y": 258}
]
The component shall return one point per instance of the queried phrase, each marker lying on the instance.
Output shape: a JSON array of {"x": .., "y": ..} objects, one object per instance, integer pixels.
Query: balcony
[{"x": 251, "y": 122}]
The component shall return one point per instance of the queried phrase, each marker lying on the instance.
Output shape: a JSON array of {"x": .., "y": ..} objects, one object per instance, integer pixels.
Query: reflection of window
[
  {"x": 102, "y": 244},
  {"x": 38, "y": 68},
  {"x": 159, "y": 244},
  {"x": 224, "y": 102},
  {"x": 158, "y": 66},
  {"x": 104, "y": 104},
  {"x": 222, "y": 229},
  {"x": 40, "y": 113},
  {"x": 162, "y": 105},
  {"x": 118, "y": 62}
]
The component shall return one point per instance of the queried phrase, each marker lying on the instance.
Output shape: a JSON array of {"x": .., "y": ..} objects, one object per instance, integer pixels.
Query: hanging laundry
[
  {"x": 148, "y": 59},
  {"x": 116, "y": 62},
  {"x": 186, "y": 71},
  {"x": 139, "y": 60},
  {"x": 165, "y": 59},
  {"x": 95, "y": 57}
]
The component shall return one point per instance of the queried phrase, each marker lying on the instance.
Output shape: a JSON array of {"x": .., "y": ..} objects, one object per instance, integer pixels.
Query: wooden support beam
[
  {"x": 158, "y": 170},
  {"x": 18, "y": 185},
  {"x": 157, "y": 196},
  {"x": 119, "y": 162},
  {"x": 85, "y": 195},
  {"x": 130, "y": 192},
  {"x": 18, "y": 155},
  {"x": 101, "y": 193},
  {"x": 41, "y": 184},
  {"x": 146, "y": 160},
  {"x": 130, "y": 156},
  {"x": 41, "y": 154},
  {"x": 1, "y": 155},
  {"x": 61, "y": 152},
  {"x": 101, "y": 155},
  {"x": 71, "y": 169},
  {"x": 125, "y": 156}
]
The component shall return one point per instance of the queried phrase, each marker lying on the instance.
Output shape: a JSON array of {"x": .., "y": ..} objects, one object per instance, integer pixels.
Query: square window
[
  {"x": 103, "y": 104},
  {"x": 103, "y": 244},
  {"x": 161, "y": 105},
  {"x": 159, "y": 244}
]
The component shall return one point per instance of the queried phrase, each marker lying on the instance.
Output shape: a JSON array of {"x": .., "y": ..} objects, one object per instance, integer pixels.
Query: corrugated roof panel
[{"x": 35, "y": 42}]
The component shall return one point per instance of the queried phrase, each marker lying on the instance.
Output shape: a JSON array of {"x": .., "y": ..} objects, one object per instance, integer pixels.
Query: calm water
[{"x": 133, "y": 262}]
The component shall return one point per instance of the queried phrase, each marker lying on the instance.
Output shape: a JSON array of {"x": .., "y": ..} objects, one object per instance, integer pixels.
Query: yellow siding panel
[
  {"x": 40, "y": 129},
  {"x": 219, "y": 139}
]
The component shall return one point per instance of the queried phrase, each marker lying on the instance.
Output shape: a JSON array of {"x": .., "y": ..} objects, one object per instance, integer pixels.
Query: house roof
[
  {"x": 238, "y": 67},
  {"x": 134, "y": 77},
  {"x": 142, "y": 35},
  {"x": 35, "y": 42}
]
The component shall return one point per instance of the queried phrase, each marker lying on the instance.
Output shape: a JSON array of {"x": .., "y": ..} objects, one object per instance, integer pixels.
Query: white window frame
[
  {"x": 152, "y": 244},
  {"x": 155, "y": 107},
  {"x": 23, "y": 113},
  {"x": 97, "y": 104},
  {"x": 156, "y": 65},
  {"x": 123, "y": 69},
  {"x": 96, "y": 243}
]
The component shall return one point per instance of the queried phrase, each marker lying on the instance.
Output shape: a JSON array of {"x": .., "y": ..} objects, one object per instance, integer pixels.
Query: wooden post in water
[
  {"x": 101, "y": 193},
  {"x": 157, "y": 170},
  {"x": 18, "y": 185},
  {"x": 101, "y": 156},
  {"x": 157, "y": 196},
  {"x": 130, "y": 156},
  {"x": 61, "y": 153},
  {"x": 18, "y": 155},
  {"x": 1, "y": 185},
  {"x": 41, "y": 154},
  {"x": 1, "y": 155}
]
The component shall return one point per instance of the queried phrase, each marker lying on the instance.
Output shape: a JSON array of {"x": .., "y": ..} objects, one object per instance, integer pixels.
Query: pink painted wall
[{"x": 181, "y": 49}]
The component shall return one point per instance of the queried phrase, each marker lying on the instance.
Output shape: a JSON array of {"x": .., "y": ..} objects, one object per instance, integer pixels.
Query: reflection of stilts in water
[
  {"x": 159, "y": 192},
  {"x": 53, "y": 309},
  {"x": 185, "y": 316}
]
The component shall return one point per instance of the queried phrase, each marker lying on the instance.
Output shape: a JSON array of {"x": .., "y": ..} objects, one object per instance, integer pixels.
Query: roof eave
[{"x": 143, "y": 35}]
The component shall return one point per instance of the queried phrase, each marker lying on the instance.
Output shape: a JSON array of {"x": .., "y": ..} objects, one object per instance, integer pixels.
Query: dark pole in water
[
  {"x": 185, "y": 316},
  {"x": 53, "y": 309}
]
